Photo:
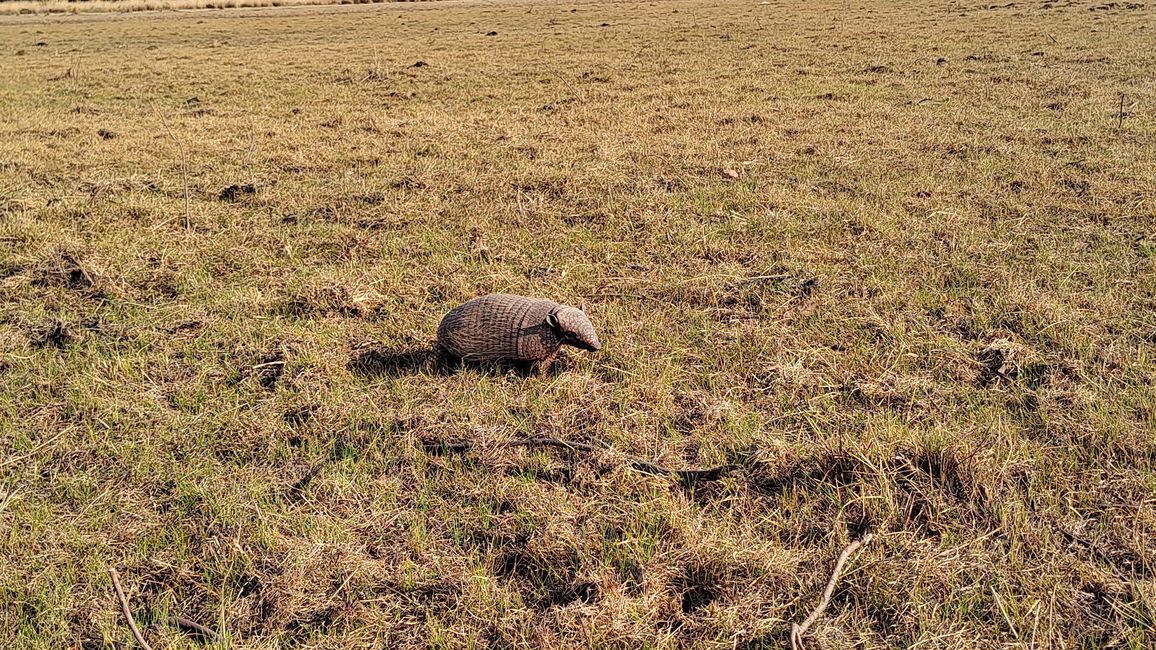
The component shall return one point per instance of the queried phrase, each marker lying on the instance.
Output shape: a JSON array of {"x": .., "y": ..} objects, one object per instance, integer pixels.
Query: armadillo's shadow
[
  {"x": 384, "y": 362},
  {"x": 378, "y": 362}
]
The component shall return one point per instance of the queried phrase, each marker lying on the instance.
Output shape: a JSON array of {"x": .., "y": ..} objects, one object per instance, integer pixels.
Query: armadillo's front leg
[{"x": 542, "y": 366}]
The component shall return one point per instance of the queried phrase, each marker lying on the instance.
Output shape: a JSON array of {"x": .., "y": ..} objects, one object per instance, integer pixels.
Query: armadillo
[{"x": 501, "y": 326}]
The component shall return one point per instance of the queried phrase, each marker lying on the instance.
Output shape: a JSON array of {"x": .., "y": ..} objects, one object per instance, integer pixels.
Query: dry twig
[
  {"x": 184, "y": 166},
  {"x": 249, "y": 154},
  {"x": 797, "y": 630},
  {"x": 127, "y": 612},
  {"x": 186, "y": 624},
  {"x": 185, "y": 180}
]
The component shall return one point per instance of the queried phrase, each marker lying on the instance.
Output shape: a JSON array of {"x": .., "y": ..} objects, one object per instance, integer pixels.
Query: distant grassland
[
  {"x": 24, "y": 7},
  {"x": 896, "y": 262}
]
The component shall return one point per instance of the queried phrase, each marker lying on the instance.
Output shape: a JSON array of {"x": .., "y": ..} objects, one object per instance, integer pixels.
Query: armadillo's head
[{"x": 574, "y": 328}]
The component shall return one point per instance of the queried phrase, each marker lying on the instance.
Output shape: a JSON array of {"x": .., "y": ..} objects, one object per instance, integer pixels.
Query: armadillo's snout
[
  {"x": 592, "y": 345},
  {"x": 578, "y": 330}
]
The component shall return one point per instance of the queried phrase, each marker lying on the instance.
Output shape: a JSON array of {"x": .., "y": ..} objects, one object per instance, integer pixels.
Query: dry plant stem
[
  {"x": 184, "y": 165},
  {"x": 269, "y": 364},
  {"x": 798, "y": 630},
  {"x": 127, "y": 612},
  {"x": 248, "y": 156},
  {"x": 184, "y": 623},
  {"x": 185, "y": 180}
]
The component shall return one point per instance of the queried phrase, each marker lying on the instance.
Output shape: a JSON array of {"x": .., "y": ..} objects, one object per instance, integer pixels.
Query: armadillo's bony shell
[{"x": 500, "y": 326}]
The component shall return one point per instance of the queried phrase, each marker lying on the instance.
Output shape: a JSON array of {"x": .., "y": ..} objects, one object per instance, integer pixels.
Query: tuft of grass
[{"x": 895, "y": 262}]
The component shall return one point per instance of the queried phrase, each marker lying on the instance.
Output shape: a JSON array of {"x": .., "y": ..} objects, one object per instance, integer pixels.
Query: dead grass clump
[
  {"x": 265, "y": 367},
  {"x": 163, "y": 285},
  {"x": 62, "y": 269},
  {"x": 902, "y": 393},
  {"x": 833, "y": 468},
  {"x": 1004, "y": 360},
  {"x": 942, "y": 492},
  {"x": 53, "y": 334},
  {"x": 932, "y": 489},
  {"x": 110, "y": 188},
  {"x": 320, "y": 299},
  {"x": 298, "y": 596},
  {"x": 427, "y": 601},
  {"x": 774, "y": 293},
  {"x": 699, "y": 409}
]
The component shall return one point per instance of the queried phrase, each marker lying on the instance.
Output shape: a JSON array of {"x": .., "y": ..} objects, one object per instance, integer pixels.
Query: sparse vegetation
[
  {"x": 895, "y": 263},
  {"x": 28, "y": 7}
]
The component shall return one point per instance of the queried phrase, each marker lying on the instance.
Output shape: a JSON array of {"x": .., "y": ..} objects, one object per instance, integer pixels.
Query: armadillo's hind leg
[
  {"x": 543, "y": 365},
  {"x": 444, "y": 361}
]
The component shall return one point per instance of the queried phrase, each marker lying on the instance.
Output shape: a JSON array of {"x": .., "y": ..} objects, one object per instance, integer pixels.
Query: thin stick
[
  {"x": 182, "y": 622},
  {"x": 797, "y": 631},
  {"x": 267, "y": 364},
  {"x": 1121, "y": 113},
  {"x": 252, "y": 148},
  {"x": 185, "y": 179},
  {"x": 249, "y": 155},
  {"x": 127, "y": 613},
  {"x": 687, "y": 476},
  {"x": 184, "y": 165}
]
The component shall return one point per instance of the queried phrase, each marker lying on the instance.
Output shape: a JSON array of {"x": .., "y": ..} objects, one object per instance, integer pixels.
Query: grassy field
[
  {"x": 896, "y": 263},
  {"x": 24, "y": 7}
]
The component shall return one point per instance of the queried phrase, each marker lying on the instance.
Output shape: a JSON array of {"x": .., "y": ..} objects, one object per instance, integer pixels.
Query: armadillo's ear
[
  {"x": 552, "y": 320},
  {"x": 582, "y": 308}
]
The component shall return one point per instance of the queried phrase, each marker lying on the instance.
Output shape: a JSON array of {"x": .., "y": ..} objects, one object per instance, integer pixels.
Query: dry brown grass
[
  {"x": 33, "y": 7},
  {"x": 898, "y": 263}
]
